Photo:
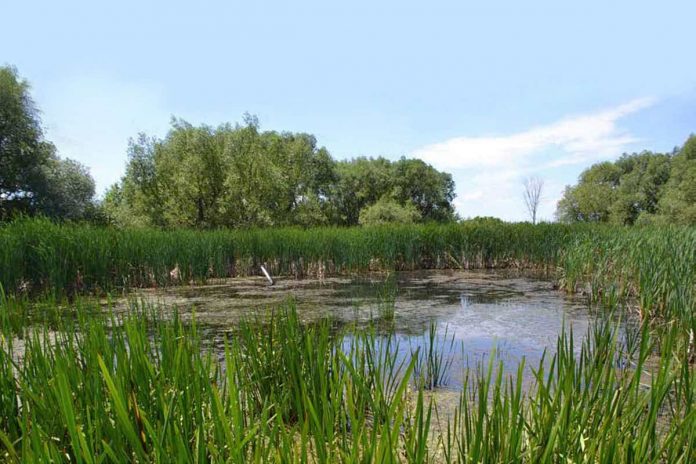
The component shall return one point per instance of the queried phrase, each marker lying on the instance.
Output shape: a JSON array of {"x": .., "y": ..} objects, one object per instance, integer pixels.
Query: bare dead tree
[{"x": 532, "y": 195}]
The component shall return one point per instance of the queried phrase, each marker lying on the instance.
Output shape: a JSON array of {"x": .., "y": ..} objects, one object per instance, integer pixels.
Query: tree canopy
[
  {"x": 33, "y": 179},
  {"x": 678, "y": 204},
  {"x": 240, "y": 176},
  {"x": 638, "y": 188}
]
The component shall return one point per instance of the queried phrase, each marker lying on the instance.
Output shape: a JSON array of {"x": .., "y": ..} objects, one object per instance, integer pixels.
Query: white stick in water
[{"x": 268, "y": 276}]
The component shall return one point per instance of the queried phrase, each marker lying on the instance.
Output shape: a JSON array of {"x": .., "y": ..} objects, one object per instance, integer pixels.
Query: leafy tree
[
  {"x": 190, "y": 172},
  {"x": 361, "y": 182},
  {"x": 233, "y": 176},
  {"x": 387, "y": 210},
  {"x": 431, "y": 191},
  {"x": 620, "y": 192},
  {"x": 640, "y": 188},
  {"x": 678, "y": 204},
  {"x": 116, "y": 210},
  {"x": 364, "y": 181},
  {"x": 69, "y": 190},
  {"x": 23, "y": 151},
  {"x": 138, "y": 199},
  {"x": 642, "y": 180},
  {"x": 33, "y": 179},
  {"x": 240, "y": 176},
  {"x": 590, "y": 200}
]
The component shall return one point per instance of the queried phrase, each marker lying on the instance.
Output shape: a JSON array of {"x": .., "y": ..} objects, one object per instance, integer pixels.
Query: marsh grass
[
  {"x": 79, "y": 385},
  {"x": 38, "y": 256},
  {"x": 386, "y": 299},
  {"x": 434, "y": 358},
  {"x": 651, "y": 267},
  {"x": 143, "y": 388}
]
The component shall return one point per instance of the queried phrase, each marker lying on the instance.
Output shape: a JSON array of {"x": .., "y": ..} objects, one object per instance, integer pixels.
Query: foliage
[
  {"x": 33, "y": 179},
  {"x": 432, "y": 192},
  {"x": 39, "y": 255},
  {"x": 69, "y": 190},
  {"x": 362, "y": 182},
  {"x": 144, "y": 389},
  {"x": 628, "y": 191},
  {"x": 239, "y": 176},
  {"x": 23, "y": 152},
  {"x": 678, "y": 205},
  {"x": 387, "y": 210},
  {"x": 642, "y": 183},
  {"x": 205, "y": 177}
]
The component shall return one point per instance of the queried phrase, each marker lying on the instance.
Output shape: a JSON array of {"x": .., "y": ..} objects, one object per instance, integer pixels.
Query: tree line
[
  {"x": 638, "y": 188},
  {"x": 240, "y": 176},
  {"x": 237, "y": 175},
  {"x": 205, "y": 177}
]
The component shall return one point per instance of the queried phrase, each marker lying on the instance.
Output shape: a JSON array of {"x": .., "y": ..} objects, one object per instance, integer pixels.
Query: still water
[{"x": 506, "y": 314}]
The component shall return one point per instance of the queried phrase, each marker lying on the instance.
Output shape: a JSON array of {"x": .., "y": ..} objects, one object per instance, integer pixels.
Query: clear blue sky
[{"x": 489, "y": 91}]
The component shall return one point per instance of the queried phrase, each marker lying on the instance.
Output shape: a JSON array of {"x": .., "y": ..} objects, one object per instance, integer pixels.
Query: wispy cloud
[
  {"x": 576, "y": 137},
  {"x": 489, "y": 169}
]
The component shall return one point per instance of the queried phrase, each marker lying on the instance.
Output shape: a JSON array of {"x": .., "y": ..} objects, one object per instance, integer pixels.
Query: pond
[{"x": 506, "y": 313}]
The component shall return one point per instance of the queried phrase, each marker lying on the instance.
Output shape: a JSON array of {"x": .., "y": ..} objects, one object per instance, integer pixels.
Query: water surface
[{"x": 508, "y": 314}]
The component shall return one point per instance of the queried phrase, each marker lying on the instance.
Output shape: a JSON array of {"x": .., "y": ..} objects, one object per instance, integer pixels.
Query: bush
[{"x": 387, "y": 211}]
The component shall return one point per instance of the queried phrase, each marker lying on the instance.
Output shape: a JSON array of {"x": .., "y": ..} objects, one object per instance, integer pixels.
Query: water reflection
[{"x": 507, "y": 315}]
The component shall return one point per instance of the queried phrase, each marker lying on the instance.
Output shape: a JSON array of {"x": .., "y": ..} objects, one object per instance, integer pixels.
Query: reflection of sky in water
[{"x": 518, "y": 315}]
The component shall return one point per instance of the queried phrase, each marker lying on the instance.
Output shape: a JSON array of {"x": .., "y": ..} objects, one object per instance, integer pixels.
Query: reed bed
[
  {"x": 652, "y": 268},
  {"x": 139, "y": 388},
  {"x": 655, "y": 268},
  {"x": 38, "y": 255}
]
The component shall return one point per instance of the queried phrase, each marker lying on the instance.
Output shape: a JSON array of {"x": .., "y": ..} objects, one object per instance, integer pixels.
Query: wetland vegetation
[{"x": 149, "y": 383}]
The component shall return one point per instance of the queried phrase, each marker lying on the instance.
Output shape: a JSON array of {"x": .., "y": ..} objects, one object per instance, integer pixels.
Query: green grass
[
  {"x": 38, "y": 255},
  {"x": 79, "y": 385},
  {"x": 652, "y": 267},
  {"x": 141, "y": 388}
]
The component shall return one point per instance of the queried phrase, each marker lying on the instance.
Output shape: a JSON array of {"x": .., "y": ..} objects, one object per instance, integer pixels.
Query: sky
[{"x": 492, "y": 92}]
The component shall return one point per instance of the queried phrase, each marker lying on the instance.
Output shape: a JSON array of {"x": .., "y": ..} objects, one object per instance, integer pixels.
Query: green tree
[
  {"x": 23, "y": 151},
  {"x": 33, "y": 179},
  {"x": 678, "y": 204},
  {"x": 591, "y": 199},
  {"x": 640, "y": 188},
  {"x": 240, "y": 176},
  {"x": 138, "y": 200},
  {"x": 420, "y": 184},
  {"x": 642, "y": 180},
  {"x": 233, "y": 176},
  {"x": 69, "y": 190},
  {"x": 361, "y": 182},
  {"x": 192, "y": 165}
]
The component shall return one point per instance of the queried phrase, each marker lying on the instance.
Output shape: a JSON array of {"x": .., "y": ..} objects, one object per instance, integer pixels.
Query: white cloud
[
  {"x": 475, "y": 195},
  {"x": 488, "y": 170},
  {"x": 578, "y": 137}
]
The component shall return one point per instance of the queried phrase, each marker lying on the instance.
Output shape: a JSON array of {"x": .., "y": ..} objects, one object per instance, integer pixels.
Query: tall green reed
[{"x": 141, "y": 388}]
